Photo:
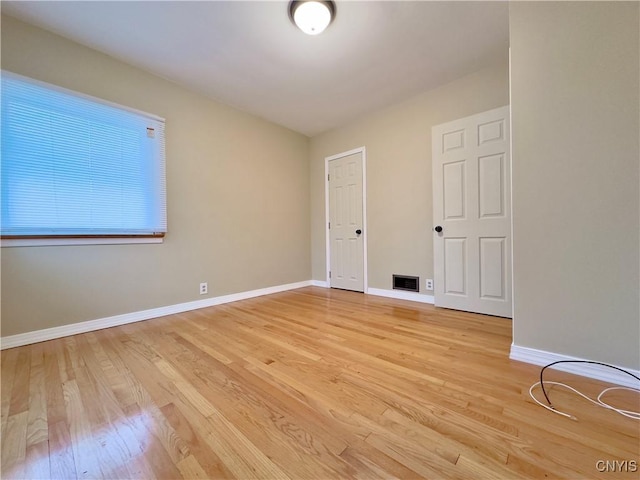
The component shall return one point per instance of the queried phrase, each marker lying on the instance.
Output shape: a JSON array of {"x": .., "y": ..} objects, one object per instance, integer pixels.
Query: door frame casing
[{"x": 365, "y": 231}]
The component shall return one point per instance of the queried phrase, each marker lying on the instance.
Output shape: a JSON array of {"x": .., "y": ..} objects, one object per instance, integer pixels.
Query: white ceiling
[{"x": 248, "y": 54}]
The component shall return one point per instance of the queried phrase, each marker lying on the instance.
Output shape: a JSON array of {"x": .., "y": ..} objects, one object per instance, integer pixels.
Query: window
[{"x": 74, "y": 166}]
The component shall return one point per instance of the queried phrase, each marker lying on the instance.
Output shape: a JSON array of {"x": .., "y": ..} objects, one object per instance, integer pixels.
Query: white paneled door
[
  {"x": 472, "y": 213},
  {"x": 346, "y": 229}
]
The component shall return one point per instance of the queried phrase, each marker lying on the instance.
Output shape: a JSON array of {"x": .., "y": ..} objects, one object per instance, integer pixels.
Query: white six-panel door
[
  {"x": 346, "y": 229},
  {"x": 472, "y": 205}
]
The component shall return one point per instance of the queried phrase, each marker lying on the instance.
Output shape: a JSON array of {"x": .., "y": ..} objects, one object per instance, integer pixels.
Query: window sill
[{"x": 50, "y": 242}]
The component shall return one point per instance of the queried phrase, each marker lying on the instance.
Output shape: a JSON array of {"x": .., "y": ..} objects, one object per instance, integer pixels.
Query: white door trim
[
  {"x": 513, "y": 284},
  {"x": 363, "y": 151}
]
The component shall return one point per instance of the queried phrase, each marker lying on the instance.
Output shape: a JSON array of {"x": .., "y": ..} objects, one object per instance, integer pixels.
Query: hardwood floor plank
[
  {"x": 280, "y": 435},
  {"x": 61, "y": 461},
  {"x": 190, "y": 468},
  {"x": 212, "y": 352},
  {"x": 85, "y": 456},
  {"x": 106, "y": 379},
  {"x": 9, "y": 359},
  {"x": 36, "y": 462},
  {"x": 368, "y": 462},
  {"x": 288, "y": 407},
  {"x": 307, "y": 384},
  {"x": 290, "y": 346},
  {"x": 14, "y": 446},
  {"x": 141, "y": 367},
  {"x": 314, "y": 398},
  {"x": 20, "y": 389},
  {"x": 373, "y": 360},
  {"x": 37, "y": 429},
  {"x": 56, "y": 411},
  {"x": 156, "y": 456},
  {"x": 206, "y": 459},
  {"x": 423, "y": 463},
  {"x": 274, "y": 431},
  {"x": 236, "y": 451},
  {"x": 236, "y": 387}
]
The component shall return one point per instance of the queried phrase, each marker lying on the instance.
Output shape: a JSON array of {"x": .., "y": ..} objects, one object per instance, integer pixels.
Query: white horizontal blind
[{"x": 76, "y": 165}]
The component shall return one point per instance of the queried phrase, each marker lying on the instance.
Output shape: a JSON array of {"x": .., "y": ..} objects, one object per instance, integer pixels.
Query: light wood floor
[{"x": 313, "y": 383}]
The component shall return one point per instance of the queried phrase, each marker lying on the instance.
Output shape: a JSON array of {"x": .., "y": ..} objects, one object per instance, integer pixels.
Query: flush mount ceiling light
[{"x": 312, "y": 16}]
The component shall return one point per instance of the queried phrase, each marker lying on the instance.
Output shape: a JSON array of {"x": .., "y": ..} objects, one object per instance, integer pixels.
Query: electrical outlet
[
  {"x": 204, "y": 288},
  {"x": 429, "y": 283}
]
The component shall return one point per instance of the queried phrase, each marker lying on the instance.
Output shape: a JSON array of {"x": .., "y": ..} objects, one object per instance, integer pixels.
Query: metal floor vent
[{"x": 404, "y": 282}]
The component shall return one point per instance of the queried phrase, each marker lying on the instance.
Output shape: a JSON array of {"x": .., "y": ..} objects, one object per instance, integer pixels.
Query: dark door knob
[
  {"x": 438, "y": 228},
  {"x": 358, "y": 232}
]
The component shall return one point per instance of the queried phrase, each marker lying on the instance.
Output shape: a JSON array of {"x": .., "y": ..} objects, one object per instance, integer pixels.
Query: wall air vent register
[{"x": 404, "y": 282}]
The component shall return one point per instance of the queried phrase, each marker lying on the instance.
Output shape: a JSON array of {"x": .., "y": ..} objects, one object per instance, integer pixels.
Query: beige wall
[
  {"x": 575, "y": 115},
  {"x": 399, "y": 193},
  {"x": 238, "y": 202}
]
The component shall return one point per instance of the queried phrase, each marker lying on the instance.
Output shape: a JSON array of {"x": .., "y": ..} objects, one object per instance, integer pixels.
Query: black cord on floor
[{"x": 578, "y": 361}]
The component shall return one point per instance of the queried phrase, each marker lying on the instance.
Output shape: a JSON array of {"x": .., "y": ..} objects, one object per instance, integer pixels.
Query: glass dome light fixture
[{"x": 312, "y": 16}]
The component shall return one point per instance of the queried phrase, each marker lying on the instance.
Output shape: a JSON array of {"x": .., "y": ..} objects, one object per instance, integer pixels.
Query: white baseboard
[
  {"x": 320, "y": 283},
  {"x": 401, "y": 295},
  {"x": 91, "y": 325},
  {"x": 541, "y": 357}
]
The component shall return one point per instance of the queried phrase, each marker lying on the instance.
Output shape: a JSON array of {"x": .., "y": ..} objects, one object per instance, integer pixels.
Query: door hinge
[
  {"x": 328, "y": 177},
  {"x": 329, "y": 273},
  {"x": 329, "y": 225}
]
